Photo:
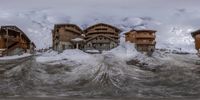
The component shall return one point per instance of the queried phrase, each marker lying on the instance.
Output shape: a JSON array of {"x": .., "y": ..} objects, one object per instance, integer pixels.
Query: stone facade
[
  {"x": 144, "y": 40},
  {"x": 196, "y": 36},
  {"x": 13, "y": 41}
]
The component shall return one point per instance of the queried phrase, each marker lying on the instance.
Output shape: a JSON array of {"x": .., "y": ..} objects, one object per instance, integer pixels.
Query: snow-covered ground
[
  {"x": 15, "y": 56},
  {"x": 76, "y": 73},
  {"x": 70, "y": 55},
  {"x": 124, "y": 52}
]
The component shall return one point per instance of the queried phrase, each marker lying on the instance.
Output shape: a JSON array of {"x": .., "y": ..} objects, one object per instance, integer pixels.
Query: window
[
  {"x": 63, "y": 47},
  {"x": 66, "y": 30},
  {"x": 113, "y": 45},
  {"x": 89, "y": 45},
  {"x": 57, "y": 37}
]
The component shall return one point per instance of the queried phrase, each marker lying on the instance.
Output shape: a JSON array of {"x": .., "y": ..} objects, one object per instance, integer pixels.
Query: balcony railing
[
  {"x": 101, "y": 31},
  {"x": 146, "y": 42},
  {"x": 11, "y": 38},
  {"x": 145, "y": 36},
  {"x": 72, "y": 29},
  {"x": 108, "y": 35}
]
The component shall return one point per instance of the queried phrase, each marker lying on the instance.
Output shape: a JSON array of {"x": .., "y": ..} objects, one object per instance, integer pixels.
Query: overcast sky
[
  {"x": 110, "y": 7},
  {"x": 172, "y": 15},
  {"x": 162, "y": 10}
]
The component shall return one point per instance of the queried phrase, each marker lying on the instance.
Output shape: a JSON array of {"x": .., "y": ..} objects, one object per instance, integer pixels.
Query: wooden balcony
[
  {"x": 56, "y": 41},
  {"x": 101, "y": 31},
  {"x": 146, "y": 42},
  {"x": 10, "y": 38},
  {"x": 145, "y": 36},
  {"x": 56, "y": 38},
  {"x": 54, "y": 35},
  {"x": 72, "y": 29},
  {"x": 101, "y": 41},
  {"x": 108, "y": 35}
]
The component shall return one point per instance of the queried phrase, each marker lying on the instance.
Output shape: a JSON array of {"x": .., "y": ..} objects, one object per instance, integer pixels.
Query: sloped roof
[
  {"x": 102, "y": 24},
  {"x": 127, "y": 33},
  {"x": 138, "y": 31},
  {"x": 144, "y": 30},
  {"x": 63, "y": 25},
  {"x": 195, "y": 33},
  {"x": 16, "y": 29}
]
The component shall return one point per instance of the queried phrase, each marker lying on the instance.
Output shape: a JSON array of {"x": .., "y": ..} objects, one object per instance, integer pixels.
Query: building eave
[
  {"x": 119, "y": 31},
  {"x": 195, "y": 33}
]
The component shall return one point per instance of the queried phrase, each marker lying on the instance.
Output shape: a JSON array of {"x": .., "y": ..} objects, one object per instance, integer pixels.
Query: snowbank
[
  {"x": 77, "y": 39},
  {"x": 15, "y": 57},
  {"x": 49, "y": 53},
  {"x": 70, "y": 54},
  {"x": 124, "y": 51}
]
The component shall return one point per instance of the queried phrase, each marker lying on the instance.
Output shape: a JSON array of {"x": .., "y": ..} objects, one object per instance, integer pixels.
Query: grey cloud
[{"x": 162, "y": 15}]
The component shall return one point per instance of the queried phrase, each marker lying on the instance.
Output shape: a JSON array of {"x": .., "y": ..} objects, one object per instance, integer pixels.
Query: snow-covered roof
[
  {"x": 77, "y": 39},
  {"x": 92, "y": 51},
  {"x": 195, "y": 33}
]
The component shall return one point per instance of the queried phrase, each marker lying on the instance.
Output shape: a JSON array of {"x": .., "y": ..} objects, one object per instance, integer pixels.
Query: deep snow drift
[{"x": 75, "y": 73}]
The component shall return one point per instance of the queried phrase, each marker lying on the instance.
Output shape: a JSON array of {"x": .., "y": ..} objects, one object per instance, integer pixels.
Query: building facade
[
  {"x": 14, "y": 41},
  {"x": 196, "y": 36},
  {"x": 144, "y": 40},
  {"x": 101, "y": 37},
  {"x": 67, "y": 36}
]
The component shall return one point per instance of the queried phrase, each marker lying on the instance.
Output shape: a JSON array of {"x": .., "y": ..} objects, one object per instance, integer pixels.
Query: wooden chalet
[
  {"x": 144, "y": 40},
  {"x": 196, "y": 36},
  {"x": 101, "y": 37},
  {"x": 67, "y": 36},
  {"x": 14, "y": 41}
]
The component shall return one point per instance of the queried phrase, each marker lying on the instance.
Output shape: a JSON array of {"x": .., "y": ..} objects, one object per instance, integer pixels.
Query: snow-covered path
[
  {"x": 120, "y": 72},
  {"x": 107, "y": 76}
]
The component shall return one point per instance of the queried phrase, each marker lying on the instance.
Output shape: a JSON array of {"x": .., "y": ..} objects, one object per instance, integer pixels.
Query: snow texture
[{"x": 15, "y": 56}]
